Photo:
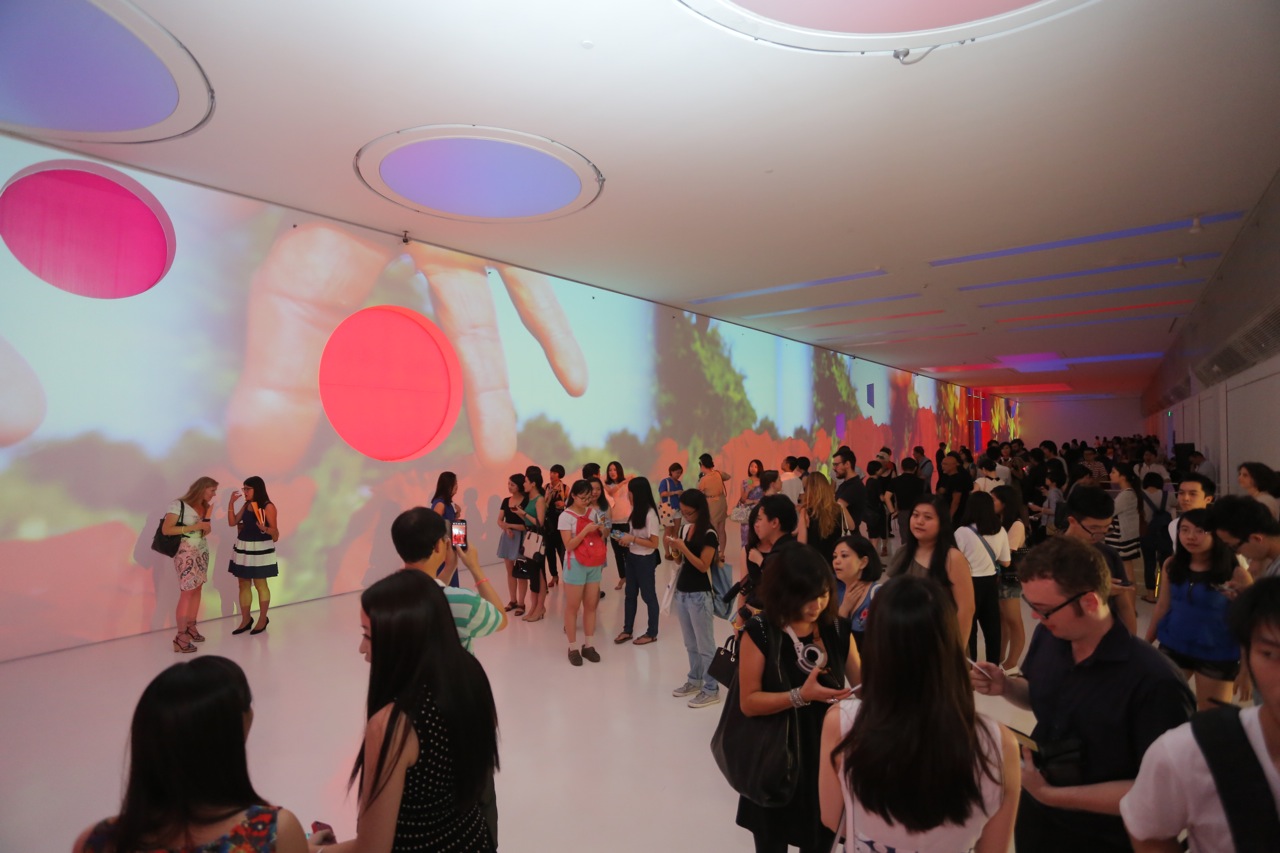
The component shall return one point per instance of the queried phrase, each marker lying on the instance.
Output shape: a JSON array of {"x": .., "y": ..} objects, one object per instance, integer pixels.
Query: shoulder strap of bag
[
  {"x": 991, "y": 552},
  {"x": 1240, "y": 780}
]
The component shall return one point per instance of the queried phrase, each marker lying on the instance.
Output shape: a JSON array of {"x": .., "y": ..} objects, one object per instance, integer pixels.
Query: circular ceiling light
[
  {"x": 479, "y": 174},
  {"x": 839, "y": 26},
  {"x": 86, "y": 229},
  {"x": 96, "y": 72}
]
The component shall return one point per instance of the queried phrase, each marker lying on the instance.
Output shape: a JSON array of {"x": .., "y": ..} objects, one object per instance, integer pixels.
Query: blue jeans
[
  {"x": 640, "y": 580},
  {"x": 697, "y": 623}
]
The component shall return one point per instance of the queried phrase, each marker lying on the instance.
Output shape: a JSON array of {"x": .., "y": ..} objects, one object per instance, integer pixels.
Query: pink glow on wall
[
  {"x": 86, "y": 229},
  {"x": 390, "y": 383},
  {"x": 879, "y": 16}
]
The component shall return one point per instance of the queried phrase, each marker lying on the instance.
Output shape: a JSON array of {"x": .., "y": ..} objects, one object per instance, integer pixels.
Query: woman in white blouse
[{"x": 985, "y": 545}]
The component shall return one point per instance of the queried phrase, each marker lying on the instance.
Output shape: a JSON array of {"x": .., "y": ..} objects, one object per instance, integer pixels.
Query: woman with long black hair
[
  {"x": 697, "y": 547},
  {"x": 511, "y": 522},
  {"x": 431, "y": 737},
  {"x": 535, "y": 519},
  {"x": 985, "y": 546},
  {"x": 930, "y": 552},
  {"x": 1190, "y": 619},
  {"x": 443, "y": 504},
  {"x": 1013, "y": 635},
  {"x": 188, "y": 786},
  {"x": 795, "y": 657},
  {"x": 253, "y": 559},
  {"x": 619, "y": 504},
  {"x": 910, "y": 764},
  {"x": 642, "y": 542}
]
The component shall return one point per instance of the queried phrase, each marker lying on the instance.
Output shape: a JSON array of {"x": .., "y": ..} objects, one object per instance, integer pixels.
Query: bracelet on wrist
[{"x": 797, "y": 701}]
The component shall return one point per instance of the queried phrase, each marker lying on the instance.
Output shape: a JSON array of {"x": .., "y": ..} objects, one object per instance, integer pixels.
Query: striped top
[{"x": 472, "y": 615}]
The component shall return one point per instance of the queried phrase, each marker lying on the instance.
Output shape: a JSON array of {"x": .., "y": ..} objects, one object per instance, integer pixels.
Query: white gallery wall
[{"x": 1064, "y": 419}]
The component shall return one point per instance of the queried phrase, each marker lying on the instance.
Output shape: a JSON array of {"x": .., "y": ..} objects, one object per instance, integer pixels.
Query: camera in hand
[{"x": 743, "y": 587}]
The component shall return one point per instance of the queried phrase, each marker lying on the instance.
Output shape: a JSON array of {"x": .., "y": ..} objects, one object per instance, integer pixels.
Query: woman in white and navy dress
[{"x": 254, "y": 557}]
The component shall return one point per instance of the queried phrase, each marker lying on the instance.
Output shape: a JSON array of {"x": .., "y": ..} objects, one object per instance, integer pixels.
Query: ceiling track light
[{"x": 1196, "y": 227}]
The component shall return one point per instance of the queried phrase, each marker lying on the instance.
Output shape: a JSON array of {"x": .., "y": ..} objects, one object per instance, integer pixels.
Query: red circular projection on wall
[
  {"x": 86, "y": 229},
  {"x": 390, "y": 383}
]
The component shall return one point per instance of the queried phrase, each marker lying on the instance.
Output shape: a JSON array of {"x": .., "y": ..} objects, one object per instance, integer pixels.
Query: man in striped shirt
[{"x": 421, "y": 539}]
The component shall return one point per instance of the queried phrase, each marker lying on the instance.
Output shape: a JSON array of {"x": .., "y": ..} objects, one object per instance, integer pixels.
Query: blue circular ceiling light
[
  {"x": 479, "y": 174},
  {"x": 95, "y": 71}
]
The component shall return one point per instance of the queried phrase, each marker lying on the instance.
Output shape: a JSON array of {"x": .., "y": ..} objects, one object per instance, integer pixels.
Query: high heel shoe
[
  {"x": 196, "y": 636},
  {"x": 183, "y": 646},
  {"x": 265, "y": 623},
  {"x": 248, "y": 623}
]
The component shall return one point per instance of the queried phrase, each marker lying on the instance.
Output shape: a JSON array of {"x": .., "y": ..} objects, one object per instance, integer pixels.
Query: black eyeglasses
[{"x": 1045, "y": 614}]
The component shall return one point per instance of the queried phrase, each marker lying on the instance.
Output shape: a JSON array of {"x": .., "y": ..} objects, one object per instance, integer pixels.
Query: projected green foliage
[
  {"x": 712, "y": 406},
  {"x": 833, "y": 391}
]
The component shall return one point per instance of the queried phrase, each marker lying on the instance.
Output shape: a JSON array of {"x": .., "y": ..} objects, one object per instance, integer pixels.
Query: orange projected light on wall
[{"x": 390, "y": 383}]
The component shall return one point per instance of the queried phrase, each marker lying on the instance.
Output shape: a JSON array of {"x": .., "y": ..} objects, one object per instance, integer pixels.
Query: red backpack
[{"x": 591, "y": 551}]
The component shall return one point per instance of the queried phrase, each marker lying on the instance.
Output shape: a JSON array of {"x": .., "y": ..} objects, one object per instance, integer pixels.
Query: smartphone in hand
[{"x": 458, "y": 533}]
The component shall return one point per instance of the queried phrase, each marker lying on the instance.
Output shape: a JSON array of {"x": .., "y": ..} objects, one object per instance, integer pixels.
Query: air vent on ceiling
[{"x": 1252, "y": 345}]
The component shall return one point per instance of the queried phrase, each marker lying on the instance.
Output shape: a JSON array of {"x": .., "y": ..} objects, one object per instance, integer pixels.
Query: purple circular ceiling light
[
  {"x": 72, "y": 70},
  {"x": 877, "y": 25},
  {"x": 479, "y": 174}
]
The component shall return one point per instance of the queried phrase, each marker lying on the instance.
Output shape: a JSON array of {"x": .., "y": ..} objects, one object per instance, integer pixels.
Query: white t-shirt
[
  {"x": 1017, "y": 534},
  {"x": 1156, "y": 467},
  {"x": 866, "y": 832},
  {"x": 970, "y": 544},
  {"x": 651, "y": 526},
  {"x": 1175, "y": 791},
  {"x": 186, "y": 517},
  {"x": 792, "y": 486},
  {"x": 986, "y": 484},
  {"x": 1004, "y": 474}
]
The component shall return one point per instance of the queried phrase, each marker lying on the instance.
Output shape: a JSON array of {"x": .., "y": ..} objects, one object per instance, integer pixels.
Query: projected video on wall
[{"x": 153, "y": 332}]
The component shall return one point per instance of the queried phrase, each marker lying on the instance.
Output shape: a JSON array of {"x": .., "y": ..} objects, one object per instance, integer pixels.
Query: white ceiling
[{"x": 733, "y": 165}]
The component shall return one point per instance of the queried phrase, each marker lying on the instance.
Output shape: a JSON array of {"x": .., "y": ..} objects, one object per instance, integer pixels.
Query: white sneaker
[
  {"x": 703, "y": 699},
  {"x": 686, "y": 689}
]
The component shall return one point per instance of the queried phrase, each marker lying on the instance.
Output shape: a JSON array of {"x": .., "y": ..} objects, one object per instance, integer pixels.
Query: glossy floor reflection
[{"x": 596, "y": 757}]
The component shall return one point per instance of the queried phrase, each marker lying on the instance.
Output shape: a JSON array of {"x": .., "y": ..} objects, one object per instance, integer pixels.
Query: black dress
[
  {"x": 798, "y": 823},
  {"x": 429, "y": 817}
]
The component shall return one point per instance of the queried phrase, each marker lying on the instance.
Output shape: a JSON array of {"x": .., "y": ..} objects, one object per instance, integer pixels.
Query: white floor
[{"x": 598, "y": 757}]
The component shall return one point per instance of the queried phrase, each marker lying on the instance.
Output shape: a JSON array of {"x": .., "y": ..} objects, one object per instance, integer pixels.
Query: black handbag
[
  {"x": 724, "y": 666},
  {"x": 168, "y": 545},
  {"x": 759, "y": 756},
  {"x": 527, "y": 568}
]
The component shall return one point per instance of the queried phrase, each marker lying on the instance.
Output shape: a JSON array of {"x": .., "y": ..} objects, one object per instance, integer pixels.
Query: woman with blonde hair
[
  {"x": 820, "y": 516},
  {"x": 188, "y": 517}
]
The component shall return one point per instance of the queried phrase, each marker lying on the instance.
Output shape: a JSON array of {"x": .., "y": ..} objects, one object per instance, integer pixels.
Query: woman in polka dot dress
[{"x": 431, "y": 741}]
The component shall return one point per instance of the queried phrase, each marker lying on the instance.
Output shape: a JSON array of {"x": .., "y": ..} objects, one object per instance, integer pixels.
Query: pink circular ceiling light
[
  {"x": 86, "y": 229},
  {"x": 877, "y": 25},
  {"x": 390, "y": 383}
]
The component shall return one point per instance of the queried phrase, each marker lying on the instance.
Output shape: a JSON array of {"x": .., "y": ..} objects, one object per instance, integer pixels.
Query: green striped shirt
[{"x": 472, "y": 615}]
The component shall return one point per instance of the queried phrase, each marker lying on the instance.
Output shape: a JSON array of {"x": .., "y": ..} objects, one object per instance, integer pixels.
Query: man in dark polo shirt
[
  {"x": 1089, "y": 513},
  {"x": 1100, "y": 697},
  {"x": 851, "y": 494},
  {"x": 773, "y": 521}
]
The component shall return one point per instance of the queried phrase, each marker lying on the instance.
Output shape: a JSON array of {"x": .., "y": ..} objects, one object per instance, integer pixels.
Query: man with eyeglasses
[
  {"x": 1100, "y": 697},
  {"x": 1089, "y": 513},
  {"x": 1249, "y": 529}
]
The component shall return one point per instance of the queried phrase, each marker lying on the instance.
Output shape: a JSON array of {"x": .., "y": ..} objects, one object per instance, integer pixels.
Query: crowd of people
[{"x": 858, "y": 612}]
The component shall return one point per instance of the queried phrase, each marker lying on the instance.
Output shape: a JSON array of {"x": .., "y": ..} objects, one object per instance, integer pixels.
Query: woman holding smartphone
[
  {"x": 511, "y": 520},
  {"x": 254, "y": 557},
  {"x": 584, "y": 559},
  {"x": 535, "y": 518},
  {"x": 443, "y": 504},
  {"x": 188, "y": 517}
]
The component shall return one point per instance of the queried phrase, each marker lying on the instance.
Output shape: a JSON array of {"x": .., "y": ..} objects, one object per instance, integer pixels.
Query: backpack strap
[{"x": 1240, "y": 780}]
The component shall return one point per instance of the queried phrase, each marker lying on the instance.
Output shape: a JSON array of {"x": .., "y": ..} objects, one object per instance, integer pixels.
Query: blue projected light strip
[
  {"x": 784, "y": 288},
  {"x": 1181, "y": 224},
  {"x": 1094, "y": 322},
  {"x": 1137, "y": 265},
  {"x": 1083, "y": 294},
  {"x": 788, "y": 312}
]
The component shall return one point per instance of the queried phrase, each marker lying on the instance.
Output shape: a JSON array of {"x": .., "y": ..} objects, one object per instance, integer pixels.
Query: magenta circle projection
[
  {"x": 479, "y": 174},
  {"x": 86, "y": 229},
  {"x": 390, "y": 383}
]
